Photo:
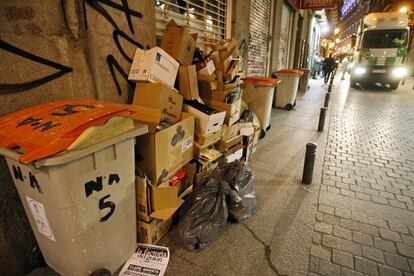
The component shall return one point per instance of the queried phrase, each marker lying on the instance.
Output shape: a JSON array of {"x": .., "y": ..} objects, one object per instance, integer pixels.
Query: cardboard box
[
  {"x": 187, "y": 76},
  {"x": 208, "y": 139},
  {"x": 235, "y": 156},
  {"x": 179, "y": 43},
  {"x": 225, "y": 145},
  {"x": 206, "y": 123},
  {"x": 160, "y": 97},
  {"x": 232, "y": 110},
  {"x": 202, "y": 175},
  {"x": 153, "y": 231},
  {"x": 164, "y": 152},
  {"x": 231, "y": 131},
  {"x": 153, "y": 65},
  {"x": 208, "y": 70}
]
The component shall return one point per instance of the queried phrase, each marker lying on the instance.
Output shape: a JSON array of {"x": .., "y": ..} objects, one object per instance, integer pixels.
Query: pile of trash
[{"x": 226, "y": 194}]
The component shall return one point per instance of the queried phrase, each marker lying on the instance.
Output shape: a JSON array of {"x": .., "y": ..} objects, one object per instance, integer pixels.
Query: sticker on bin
[
  {"x": 188, "y": 143},
  {"x": 40, "y": 218},
  {"x": 46, "y": 129},
  {"x": 148, "y": 260}
]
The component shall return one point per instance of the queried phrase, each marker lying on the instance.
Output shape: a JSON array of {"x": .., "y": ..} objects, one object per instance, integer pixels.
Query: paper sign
[
  {"x": 187, "y": 144},
  {"x": 246, "y": 129},
  {"x": 40, "y": 218},
  {"x": 148, "y": 260}
]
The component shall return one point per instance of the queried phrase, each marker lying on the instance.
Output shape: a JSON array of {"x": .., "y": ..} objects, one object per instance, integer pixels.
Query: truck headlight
[
  {"x": 399, "y": 72},
  {"x": 360, "y": 71}
]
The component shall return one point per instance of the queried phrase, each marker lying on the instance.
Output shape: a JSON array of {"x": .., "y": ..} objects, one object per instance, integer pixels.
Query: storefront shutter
[
  {"x": 205, "y": 17},
  {"x": 259, "y": 37},
  {"x": 283, "y": 54}
]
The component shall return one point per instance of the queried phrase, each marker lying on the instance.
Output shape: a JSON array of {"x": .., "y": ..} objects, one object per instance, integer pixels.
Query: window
[
  {"x": 208, "y": 18},
  {"x": 384, "y": 39}
]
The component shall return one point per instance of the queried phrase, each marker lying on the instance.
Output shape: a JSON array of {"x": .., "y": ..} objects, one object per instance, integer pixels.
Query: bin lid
[
  {"x": 261, "y": 81},
  {"x": 46, "y": 129},
  {"x": 290, "y": 72}
]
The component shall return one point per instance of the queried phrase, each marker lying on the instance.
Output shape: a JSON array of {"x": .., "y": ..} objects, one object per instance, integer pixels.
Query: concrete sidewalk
[{"x": 277, "y": 239}]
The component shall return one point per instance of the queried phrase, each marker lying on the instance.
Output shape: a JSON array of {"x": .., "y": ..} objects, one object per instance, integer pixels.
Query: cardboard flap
[
  {"x": 167, "y": 212},
  {"x": 149, "y": 116}
]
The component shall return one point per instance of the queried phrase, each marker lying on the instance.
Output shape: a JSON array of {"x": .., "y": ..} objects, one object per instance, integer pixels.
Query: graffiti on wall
[{"x": 105, "y": 8}]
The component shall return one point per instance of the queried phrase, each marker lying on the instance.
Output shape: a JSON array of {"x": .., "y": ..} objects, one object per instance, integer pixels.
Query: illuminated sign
[{"x": 317, "y": 4}]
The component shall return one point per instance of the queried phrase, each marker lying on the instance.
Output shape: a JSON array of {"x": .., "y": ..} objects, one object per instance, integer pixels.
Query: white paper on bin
[{"x": 40, "y": 218}]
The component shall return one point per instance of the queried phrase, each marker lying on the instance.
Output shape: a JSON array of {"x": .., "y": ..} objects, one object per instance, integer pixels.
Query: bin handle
[{"x": 10, "y": 153}]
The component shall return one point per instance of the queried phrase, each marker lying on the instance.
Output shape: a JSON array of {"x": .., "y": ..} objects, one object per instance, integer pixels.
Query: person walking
[
  {"x": 328, "y": 67},
  {"x": 316, "y": 66}
]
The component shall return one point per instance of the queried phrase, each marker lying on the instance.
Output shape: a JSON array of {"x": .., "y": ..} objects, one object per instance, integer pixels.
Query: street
[{"x": 356, "y": 218}]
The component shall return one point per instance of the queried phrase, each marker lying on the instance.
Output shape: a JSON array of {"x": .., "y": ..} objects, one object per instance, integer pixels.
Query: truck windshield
[{"x": 384, "y": 39}]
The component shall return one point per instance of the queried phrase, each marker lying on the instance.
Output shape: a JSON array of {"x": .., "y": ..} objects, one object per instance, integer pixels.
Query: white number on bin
[{"x": 40, "y": 218}]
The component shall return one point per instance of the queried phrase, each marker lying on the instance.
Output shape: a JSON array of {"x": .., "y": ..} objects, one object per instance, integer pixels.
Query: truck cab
[{"x": 381, "y": 50}]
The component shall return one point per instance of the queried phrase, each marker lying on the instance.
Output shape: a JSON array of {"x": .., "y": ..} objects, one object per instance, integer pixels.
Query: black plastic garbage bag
[
  {"x": 242, "y": 198},
  {"x": 204, "y": 214}
]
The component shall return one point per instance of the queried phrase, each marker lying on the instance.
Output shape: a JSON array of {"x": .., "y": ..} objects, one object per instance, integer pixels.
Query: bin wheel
[
  {"x": 101, "y": 272},
  {"x": 262, "y": 134},
  {"x": 268, "y": 127},
  {"x": 294, "y": 104},
  {"x": 289, "y": 107}
]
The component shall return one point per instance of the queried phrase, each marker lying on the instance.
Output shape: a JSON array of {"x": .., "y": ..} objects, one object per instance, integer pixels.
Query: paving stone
[
  {"x": 348, "y": 193},
  {"x": 378, "y": 187},
  {"x": 326, "y": 209},
  {"x": 373, "y": 254},
  {"x": 321, "y": 252},
  {"x": 411, "y": 263},
  {"x": 329, "y": 269},
  {"x": 317, "y": 238},
  {"x": 397, "y": 261},
  {"x": 368, "y": 229},
  {"x": 343, "y": 213},
  {"x": 341, "y": 232},
  {"x": 359, "y": 217},
  {"x": 405, "y": 250},
  {"x": 408, "y": 274},
  {"x": 403, "y": 198},
  {"x": 388, "y": 271},
  {"x": 348, "y": 223},
  {"x": 348, "y": 272},
  {"x": 342, "y": 258},
  {"x": 363, "y": 196},
  {"x": 377, "y": 222},
  {"x": 330, "y": 219},
  {"x": 379, "y": 200},
  {"x": 387, "y": 195},
  {"x": 319, "y": 216},
  {"x": 314, "y": 264},
  {"x": 356, "y": 188},
  {"x": 333, "y": 190},
  {"x": 341, "y": 244},
  {"x": 366, "y": 266},
  {"x": 384, "y": 245},
  {"x": 389, "y": 235},
  {"x": 397, "y": 227},
  {"x": 397, "y": 204},
  {"x": 362, "y": 238},
  {"x": 323, "y": 227}
]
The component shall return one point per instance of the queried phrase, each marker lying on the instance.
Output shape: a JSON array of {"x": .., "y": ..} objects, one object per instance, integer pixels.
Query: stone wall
[{"x": 52, "y": 50}]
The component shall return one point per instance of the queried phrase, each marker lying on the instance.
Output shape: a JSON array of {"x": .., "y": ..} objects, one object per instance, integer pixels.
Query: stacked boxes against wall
[{"x": 191, "y": 101}]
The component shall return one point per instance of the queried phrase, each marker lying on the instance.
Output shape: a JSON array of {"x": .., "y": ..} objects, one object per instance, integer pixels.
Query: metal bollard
[
  {"x": 327, "y": 97},
  {"x": 322, "y": 115},
  {"x": 309, "y": 163},
  {"x": 330, "y": 88}
]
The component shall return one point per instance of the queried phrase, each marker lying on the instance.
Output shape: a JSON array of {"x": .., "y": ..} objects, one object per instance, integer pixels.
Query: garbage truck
[{"x": 381, "y": 50}]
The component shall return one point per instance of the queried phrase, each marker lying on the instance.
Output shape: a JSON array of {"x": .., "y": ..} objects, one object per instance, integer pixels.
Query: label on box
[
  {"x": 187, "y": 143},
  {"x": 235, "y": 156},
  {"x": 40, "y": 218},
  {"x": 246, "y": 129},
  {"x": 148, "y": 260}
]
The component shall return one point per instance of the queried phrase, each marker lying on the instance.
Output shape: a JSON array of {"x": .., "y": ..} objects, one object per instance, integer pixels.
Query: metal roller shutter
[
  {"x": 259, "y": 37},
  {"x": 284, "y": 38},
  {"x": 205, "y": 17}
]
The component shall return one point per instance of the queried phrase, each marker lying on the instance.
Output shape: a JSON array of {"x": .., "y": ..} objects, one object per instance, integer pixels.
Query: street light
[
  {"x": 337, "y": 40},
  {"x": 404, "y": 10},
  {"x": 336, "y": 31}
]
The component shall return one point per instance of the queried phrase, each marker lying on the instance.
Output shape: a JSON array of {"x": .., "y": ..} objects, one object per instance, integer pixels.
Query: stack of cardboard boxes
[{"x": 188, "y": 134}]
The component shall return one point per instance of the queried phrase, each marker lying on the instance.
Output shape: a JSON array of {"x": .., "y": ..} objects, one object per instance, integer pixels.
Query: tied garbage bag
[
  {"x": 204, "y": 214},
  {"x": 241, "y": 200}
]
